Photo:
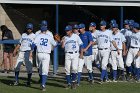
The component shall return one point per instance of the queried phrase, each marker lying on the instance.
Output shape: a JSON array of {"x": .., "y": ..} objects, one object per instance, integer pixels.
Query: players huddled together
[{"x": 114, "y": 48}]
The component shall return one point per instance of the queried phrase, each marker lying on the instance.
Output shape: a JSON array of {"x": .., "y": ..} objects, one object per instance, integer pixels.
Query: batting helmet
[
  {"x": 43, "y": 28},
  {"x": 44, "y": 23},
  {"x": 126, "y": 22},
  {"x": 92, "y": 24},
  {"x": 68, "y": 28},
  {"x": 114, "y": 25},
  {"x": 81, "y": 25},
  {"x": 103, "y": 23},
  {"x": 75, "y": 26},
  {"x": 29, "y": 26},
  {"x": 113, "y": 21}
]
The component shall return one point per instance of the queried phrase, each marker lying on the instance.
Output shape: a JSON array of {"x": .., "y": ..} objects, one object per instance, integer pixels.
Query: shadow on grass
[{"x": 24, "y": 79}]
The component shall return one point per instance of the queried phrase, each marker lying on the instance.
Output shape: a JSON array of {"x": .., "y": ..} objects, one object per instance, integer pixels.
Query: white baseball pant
[
  {"x": 95, "y": 56},
  {"x": 44, "y": 61},
  {"x": 24, "y": 57},
  {"x": 88, "y": 63},
  {"x": 37, "y": 61},
  {"x": 104, "y": 57},
  {"x": 131, "y": 56},
  {"x": 71, "y": 63},
  {"x": 117, "y": 60}
]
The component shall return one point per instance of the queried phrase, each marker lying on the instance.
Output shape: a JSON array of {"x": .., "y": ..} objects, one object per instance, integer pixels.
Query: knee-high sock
[
  {"x": 98, "y": 66},
  {"x": 68, "y": 78},
  {"x": 130, "y": 70},
  {"x": 114, "y": 74},
  {"x": 79, "y": 77},
  {"x": 16, "y": 75},
  {"x": 44, "y": 79},
  {"x": 122, "y": 72},
  {"x": 29, "y": 77},
  {"x": 103, "y": 73},
  {"x": 90, "y": 76},
  {"x": 73, "y": 76},
  {"x": 138, "y": 73}
]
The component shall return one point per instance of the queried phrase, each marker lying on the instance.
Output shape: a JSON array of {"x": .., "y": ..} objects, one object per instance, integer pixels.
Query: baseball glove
[{"x": 57, "y": 37}]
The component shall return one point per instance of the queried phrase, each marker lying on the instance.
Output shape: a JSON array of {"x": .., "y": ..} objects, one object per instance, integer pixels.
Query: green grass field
[{"x": 56, "y": 85}]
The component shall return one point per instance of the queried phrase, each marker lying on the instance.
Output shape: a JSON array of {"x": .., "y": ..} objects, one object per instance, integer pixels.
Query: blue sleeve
[
  {"x": 90, "y": 36},
  {"x": 81, "y": 46},
  {"x": 33, "y": 47}
]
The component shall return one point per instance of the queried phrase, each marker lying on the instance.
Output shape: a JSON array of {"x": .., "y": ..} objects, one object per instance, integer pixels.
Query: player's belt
[
  {"x": 134, "y": 47},
  {"x": 94, "y": 48},
  {"x": 103, "y": 48},
  {"x": 72, "y": 52},
  {"x": 26, "y": 51},
  {"x": 116, "y": 50}
]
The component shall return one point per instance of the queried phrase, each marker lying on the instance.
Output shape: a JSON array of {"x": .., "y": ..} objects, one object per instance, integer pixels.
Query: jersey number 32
[{"x": 44, "y": 41}]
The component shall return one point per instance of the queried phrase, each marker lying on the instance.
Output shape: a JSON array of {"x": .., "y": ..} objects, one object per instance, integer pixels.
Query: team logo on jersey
[{"x": 102, "y": 36}]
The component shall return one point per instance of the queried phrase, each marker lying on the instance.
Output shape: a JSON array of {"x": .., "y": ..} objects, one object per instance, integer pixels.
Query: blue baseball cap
[
  {"x": 114, "y": 25},
  {"x": 92, "y": 24},
  {"x": 75, "y": 26},
  {"x": 68, "y": 28},
  {"x": 131, "y": 22},
  {"x": 29, "y": 26},
  {"x": 44, "y": 23},
  {"x": 81, "y": 25},
  {"x": 43, "y": 28},
  {"x": 136, "y": 25},
  {"x": 103, "y": 23},
  {"x": 113, "y": 21},
  {"x": 126, "y": 22}
]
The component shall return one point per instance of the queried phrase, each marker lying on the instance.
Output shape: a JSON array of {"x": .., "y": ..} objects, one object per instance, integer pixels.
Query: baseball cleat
[
  {"x": 73, "y": 85},
  {"x": 100, "y": 82},
  {"x": 15, "y": 83},
  {"x": 107, "y": 81},
  {"x": 91, "y": 82},
  {"x": 43, "y": 88},
  {"x": 114, "y": 80},
  {"x": 68, "y": 86},
  {"x": 78, "y": 84}
]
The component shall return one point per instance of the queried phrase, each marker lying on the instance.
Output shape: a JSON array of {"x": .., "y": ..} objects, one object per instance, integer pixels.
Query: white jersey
[
  {"x": 135, "y": 40},
  {"x": 119, "y": 39},
  {"x": 104, "y": 38},
  {"x": 47, "y": 32},
  {"x": 127, "y": 33},
  {"x": 26, "y": 41},
  {"x": 44, "y": 43},
  {"x": 72, "y": 43},
  {"x": 94, "y": 35}
]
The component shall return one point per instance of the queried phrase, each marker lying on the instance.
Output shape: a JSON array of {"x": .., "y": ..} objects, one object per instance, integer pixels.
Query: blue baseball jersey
[{"x": 86, "y": 38}]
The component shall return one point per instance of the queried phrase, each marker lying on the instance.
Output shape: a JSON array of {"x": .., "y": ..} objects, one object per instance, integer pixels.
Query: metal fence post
[
  {"x": 55, "y": 56},
  {"x": 121, "y": 17}
]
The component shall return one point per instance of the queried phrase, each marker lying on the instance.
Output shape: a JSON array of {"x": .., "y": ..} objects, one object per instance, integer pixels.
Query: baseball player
[
  {"x": 117, "y": 60},
  {"x": 95, "y": 57},
  {"x": 71, "y": 43},
  {"x": 134, "y": 51},
  {"x": 113, "y": 21},
  {"x": 127, "y": 33},
  {"x": 43, "y": 23},
  {"x": 104, "y": 40},
  {"x": 87, "y": 40},
  {"x": 24, "y": 53},
  {"x": 76, "y": 29},
  {"x": 43, "y": 42}
]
